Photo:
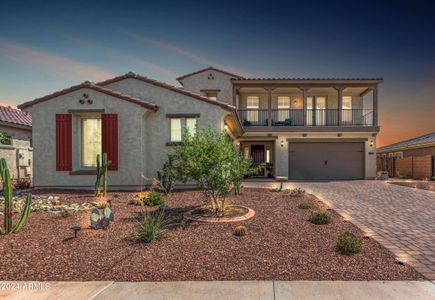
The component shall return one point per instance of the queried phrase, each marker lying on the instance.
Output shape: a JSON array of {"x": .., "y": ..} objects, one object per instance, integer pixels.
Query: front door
[{"x": 257, "y": 155}]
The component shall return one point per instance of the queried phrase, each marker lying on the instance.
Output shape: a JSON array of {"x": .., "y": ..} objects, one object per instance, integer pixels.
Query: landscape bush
[
  {"x": 348, "y": 243},
  {"x": 151, "y": 226},
  {"x": 296, "y": 192},
  {"x": 304, "y": 205},
  {"x": 153, "y": 198},
  {"x": 320, "y": 218},
  {"x": 213, "y": 162},
  {"x": 240, "y": 230}
]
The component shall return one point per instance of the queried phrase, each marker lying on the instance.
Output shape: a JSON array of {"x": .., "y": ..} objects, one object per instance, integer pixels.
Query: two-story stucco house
[{"x": 301, "y": 128}]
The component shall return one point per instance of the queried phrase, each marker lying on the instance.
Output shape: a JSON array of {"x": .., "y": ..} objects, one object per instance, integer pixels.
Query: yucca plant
[
  {"x": 8, "y": 195},
  {"x": 151, "y": 227}
]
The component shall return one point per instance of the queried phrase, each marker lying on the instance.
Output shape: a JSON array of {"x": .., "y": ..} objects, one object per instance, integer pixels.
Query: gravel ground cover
[{"x": 281, "y": 245}]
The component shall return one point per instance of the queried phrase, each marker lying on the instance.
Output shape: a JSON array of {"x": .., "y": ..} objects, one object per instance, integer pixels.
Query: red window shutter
[
  {"x": 110, "y": 138},
  {"x": 63, "y": 142}
]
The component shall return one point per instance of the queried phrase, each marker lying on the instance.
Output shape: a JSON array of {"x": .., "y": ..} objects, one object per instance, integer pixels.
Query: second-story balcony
[
  {"x": 287, "y": 107},
  {"x": 313, "y": 117}
]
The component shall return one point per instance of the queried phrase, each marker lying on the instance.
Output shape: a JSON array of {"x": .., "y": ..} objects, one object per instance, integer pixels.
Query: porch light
[
  {"x": 226, "y": 127},
  {"x": 371, "y": 143},
  {"x": 282, "y": 143}
]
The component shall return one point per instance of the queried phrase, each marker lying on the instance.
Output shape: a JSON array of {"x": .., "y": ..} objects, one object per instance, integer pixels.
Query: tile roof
[
  {"x": 15, "y": 116},
  {"x": 95, "y": 87},
  {"x": 421, "y": 140},
  {"x": 223, "y": 105},
  {"x": 311, "y": 79},
  {"x": 209, "y": 69}
]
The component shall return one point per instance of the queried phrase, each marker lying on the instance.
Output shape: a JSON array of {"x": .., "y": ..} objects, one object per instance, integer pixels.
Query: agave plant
[{"x": 8, "y": 194}]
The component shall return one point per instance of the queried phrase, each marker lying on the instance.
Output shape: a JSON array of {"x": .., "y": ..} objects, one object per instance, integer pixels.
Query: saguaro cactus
[
  {"x": 101, "y": 181},
  {"x": 7, "y": 192}
]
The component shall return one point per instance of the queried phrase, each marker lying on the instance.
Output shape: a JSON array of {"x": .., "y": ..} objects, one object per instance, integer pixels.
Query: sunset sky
[{"x": 47, "y": 46}]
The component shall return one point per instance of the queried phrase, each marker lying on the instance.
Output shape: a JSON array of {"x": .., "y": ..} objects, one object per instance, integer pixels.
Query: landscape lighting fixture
[{"x": 76, "y": 229}]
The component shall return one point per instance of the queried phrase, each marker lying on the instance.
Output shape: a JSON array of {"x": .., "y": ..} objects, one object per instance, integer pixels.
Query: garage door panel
[{"x": 317, "y": 160}]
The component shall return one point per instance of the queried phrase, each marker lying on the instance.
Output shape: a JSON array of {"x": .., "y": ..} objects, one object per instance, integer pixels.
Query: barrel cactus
[{"x": 8, "y": 195}]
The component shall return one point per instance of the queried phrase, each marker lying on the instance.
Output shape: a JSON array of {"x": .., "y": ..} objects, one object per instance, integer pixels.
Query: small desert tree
[{"x": 209, "y": 159}]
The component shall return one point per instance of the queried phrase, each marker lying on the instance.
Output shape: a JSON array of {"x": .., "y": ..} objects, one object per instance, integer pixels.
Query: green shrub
[
  {"x": 153, "y": 198},
  {"x": 240, "y": 230},
  {"x": 320, "y": 218},
  {"x": 151, "y": 227},
  {"x": 296, "y": 192},
  {"x": 304, "y": 205},
  {"x": 348, "y": 243}
]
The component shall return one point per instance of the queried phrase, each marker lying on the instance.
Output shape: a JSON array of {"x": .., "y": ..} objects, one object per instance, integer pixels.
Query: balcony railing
[
  {"x": 254, "y": 117},
  {"x": 313, "y": 117}
]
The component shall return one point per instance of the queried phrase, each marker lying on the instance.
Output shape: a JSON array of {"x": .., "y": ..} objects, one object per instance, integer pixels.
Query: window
[
  {"x": 211, "y": 95},
  {"x": 252, "y": 104},
  {"x": 246, "y": 152},
  {"x": 175, "y": 130},
  {"x": 347, "y": 109},
  {"x": 191, "y": 125},
  {"x": 176, "y": 127},
  {"x": 398, "y": 154},
  {"x": 283, "y": 107},
  {"x": 91, "y": 141}
]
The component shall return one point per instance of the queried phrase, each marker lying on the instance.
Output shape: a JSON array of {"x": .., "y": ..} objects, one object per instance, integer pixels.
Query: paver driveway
[{"x": 401, "y": 218}]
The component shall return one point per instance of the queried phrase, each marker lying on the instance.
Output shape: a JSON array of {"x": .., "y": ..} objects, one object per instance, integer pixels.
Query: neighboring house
[
  {"x": 418, "y": 146},
  {"x": 301, "y": 128},
  {"x": 16, "y": 141},
  {"x": 410, "y": 158}
]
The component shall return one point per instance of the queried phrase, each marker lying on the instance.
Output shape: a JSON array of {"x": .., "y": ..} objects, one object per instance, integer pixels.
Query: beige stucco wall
[
  {"x": 156, "y": 129},
  {"x": 130, "y": 126},
  {"x": 281, "y": 153},
  {"x": 18, "y": 155},
  {"x": 200, "y": 81}
]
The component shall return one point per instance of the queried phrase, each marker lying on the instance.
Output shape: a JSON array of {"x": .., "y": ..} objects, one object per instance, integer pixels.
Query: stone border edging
[{"x": 245, "y": 217}]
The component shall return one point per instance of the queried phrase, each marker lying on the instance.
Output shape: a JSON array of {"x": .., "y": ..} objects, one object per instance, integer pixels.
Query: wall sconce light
[
  {"x": 282, "y": 143},
  {"x": 371, "y": 143},
  {"x": 226, "y": 127},
  {"x": 238, "y": 143}
]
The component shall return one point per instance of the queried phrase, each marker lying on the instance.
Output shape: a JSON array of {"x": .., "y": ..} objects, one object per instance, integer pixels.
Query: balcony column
[
  {"x": 340, "y": 105},
  {"x": 304, "y": 103},
  {"x": 269, "y": 106},
  {"x": 375, "y": 106}
]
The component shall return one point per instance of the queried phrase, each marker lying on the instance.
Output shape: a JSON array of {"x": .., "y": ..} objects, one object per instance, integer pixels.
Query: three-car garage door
[{"x": 326, "y": 160}]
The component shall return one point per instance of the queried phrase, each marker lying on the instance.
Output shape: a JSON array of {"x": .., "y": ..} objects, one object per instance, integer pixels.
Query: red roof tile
[
  {"x": 168, "y": 87},
  {"x": 15, "y": 116},
  {"x": 210, "y": 69},
  {"x": 94, "y": 87}
]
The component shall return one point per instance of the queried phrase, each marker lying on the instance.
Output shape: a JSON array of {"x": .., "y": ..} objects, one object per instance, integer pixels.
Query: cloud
[
  {"x": 165, "y": 72},
  {"x": 182, "y": 52},
  {"x": 54, "y": 63}
]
